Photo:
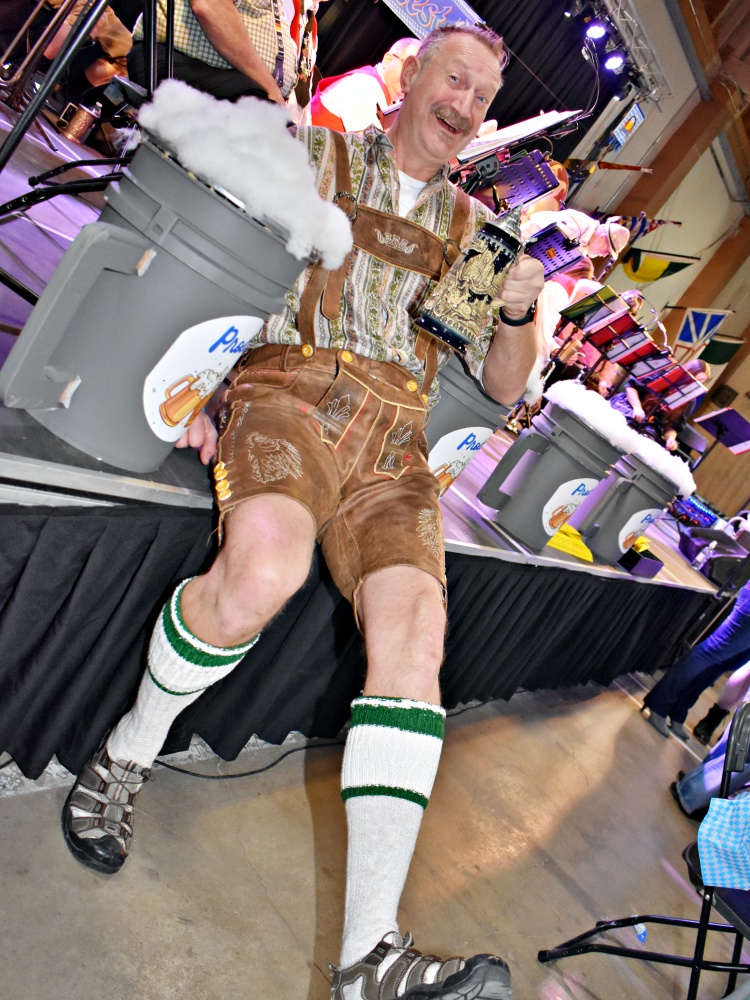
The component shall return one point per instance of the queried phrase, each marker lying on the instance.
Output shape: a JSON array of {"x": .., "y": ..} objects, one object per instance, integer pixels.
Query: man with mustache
[{"x": 321, "y": 439}]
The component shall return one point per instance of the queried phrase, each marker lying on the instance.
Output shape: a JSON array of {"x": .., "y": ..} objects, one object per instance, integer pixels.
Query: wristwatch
[{"x": 510, "y": 321}]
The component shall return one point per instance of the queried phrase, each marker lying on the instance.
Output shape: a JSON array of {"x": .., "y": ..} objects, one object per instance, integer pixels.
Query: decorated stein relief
[{"x": 461, "y": 304}]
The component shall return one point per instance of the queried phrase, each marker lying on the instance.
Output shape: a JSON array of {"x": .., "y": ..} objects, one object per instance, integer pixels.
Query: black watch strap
[{"x": 510, "y": 321}]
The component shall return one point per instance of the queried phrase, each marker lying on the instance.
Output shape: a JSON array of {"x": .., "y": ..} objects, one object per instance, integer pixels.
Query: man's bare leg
[{"x": 203, "y": 632}]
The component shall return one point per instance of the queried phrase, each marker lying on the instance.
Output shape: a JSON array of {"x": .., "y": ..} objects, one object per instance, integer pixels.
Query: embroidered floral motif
[
  {"x": 429, "y": 530},
  {"x": 403, "y": 434},
  {"x": 272, "y": 459},
  {"x": 396, "y": 242},
  {"x": 339, "y": 409}
]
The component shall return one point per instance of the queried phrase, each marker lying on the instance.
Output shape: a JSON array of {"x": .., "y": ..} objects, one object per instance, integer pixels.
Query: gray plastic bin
[
  {"x": 464, "y": 418},
  {"x": 546, "y": 474},
  {"x": 149, "y": 307},
  {"x": 630, "y": 499}
]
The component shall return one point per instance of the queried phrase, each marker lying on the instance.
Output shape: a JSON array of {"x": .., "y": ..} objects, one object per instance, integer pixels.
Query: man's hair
[{"x": 493, "y": 42}]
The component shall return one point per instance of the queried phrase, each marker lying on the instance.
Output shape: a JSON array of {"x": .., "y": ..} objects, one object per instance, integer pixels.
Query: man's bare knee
[{"x": 264, "y": 561}]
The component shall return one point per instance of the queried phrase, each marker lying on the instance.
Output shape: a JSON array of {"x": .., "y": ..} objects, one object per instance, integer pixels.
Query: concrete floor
[{"x": 549, "y": 812}]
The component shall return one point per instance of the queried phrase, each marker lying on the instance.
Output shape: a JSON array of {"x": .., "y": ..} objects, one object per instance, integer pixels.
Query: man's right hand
[{"x": 274, "y": 94}]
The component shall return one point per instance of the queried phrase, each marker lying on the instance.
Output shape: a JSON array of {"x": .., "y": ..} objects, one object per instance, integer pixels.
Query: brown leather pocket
[{"x": 400, "y": 442}]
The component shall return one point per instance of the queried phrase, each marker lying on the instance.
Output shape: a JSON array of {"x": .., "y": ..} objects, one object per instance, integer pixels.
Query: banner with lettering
[{"x": 423, "y": 16}]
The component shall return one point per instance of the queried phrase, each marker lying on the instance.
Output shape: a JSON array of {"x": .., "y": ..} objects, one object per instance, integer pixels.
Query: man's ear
[{"x": 409, "y": 72}]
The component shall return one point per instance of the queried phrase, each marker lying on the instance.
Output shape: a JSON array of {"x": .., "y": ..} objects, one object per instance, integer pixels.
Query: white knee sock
[
  {"x": 390, "y": 762},
  {"x": 180, "y": 668}
]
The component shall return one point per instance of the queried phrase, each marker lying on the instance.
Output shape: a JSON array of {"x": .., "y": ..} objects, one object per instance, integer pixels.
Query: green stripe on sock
[
  {"x": 198, "y": 657},
  {"x": 177, "y": 694},
  {"x": 411, "y": 719},
  {"x": 394, "y": 793},
  {"x": 236, "y": 651}
]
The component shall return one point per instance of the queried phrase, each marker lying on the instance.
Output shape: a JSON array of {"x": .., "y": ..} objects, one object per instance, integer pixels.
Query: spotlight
[
  {"x": 596, "y": 29},
  {"x": 622, "y": 93},
  {"x": 614, "y": 56},
  {"x": 614, "y": 62}
]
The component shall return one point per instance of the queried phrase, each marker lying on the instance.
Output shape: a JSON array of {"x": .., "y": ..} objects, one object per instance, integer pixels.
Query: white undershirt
[{"x": 410, "y": 190}]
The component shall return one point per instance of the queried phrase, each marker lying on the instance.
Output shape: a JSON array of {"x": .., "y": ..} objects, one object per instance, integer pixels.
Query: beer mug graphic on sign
[
  {"x": 187, "y": 396},
  {"x": 181, "y": 399}
]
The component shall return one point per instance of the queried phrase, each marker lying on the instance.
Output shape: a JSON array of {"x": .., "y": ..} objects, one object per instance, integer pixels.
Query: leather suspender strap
[
  {"x": 425, "y": 346},
  {"x": 334, "y": 289}
]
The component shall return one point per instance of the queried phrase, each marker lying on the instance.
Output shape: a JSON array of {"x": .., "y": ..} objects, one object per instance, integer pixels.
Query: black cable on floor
[{"x": 260, "y": 770}]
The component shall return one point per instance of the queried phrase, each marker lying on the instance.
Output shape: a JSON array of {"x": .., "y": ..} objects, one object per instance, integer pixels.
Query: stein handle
[
  {"x": 590, "y": 524},
  {"x": 186, "y": 380},
  {"x": 66, "y": 109},
  {"x": 490, "y": 494},
  {"x": 27, "y": 379}
]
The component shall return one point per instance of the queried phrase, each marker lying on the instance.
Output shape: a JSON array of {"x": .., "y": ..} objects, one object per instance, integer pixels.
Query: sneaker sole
[{"x": 484, "y": 977}]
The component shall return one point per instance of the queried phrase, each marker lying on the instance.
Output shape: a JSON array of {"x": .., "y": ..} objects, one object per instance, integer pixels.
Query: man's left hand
[
  {"x": 201, "y": 434},
  {"x": 523, "y": 285}
]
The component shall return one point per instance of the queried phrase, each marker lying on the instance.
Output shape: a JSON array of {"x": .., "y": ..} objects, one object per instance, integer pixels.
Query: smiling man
[{"x": 321, "y": 439}]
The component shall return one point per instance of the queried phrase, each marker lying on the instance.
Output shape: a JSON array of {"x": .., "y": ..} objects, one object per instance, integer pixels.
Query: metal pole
[
  {"x": 80, "y": 31},
  {"x": 149, "y": 44}
]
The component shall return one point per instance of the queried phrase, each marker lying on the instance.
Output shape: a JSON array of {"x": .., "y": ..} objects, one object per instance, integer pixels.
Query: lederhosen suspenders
[{"x": 389, "y": 238}]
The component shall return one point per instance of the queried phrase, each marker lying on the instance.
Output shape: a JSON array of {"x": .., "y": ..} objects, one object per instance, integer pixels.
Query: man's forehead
[{"x": 472, "y": 54}]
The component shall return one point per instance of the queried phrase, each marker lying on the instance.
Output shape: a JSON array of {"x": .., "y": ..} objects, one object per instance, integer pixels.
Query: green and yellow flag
[{"x": 643, "y": 266}]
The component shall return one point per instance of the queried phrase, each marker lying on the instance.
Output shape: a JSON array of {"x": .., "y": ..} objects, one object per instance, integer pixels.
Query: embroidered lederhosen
[
  {"x": 340, "y": 433},
  {"x": 392, "y": 239}
]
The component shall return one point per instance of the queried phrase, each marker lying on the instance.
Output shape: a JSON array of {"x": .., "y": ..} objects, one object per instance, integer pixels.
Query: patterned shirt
[
  {"x": 258, "y": 18},
  {"x": 379, "y": 299}
]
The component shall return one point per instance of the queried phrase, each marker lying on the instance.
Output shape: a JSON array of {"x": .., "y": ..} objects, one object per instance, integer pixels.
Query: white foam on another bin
[
  {"x": 246, "y": 148},
  {"x": 594, "y": 411},
  {"x": 672, "y": 468}
]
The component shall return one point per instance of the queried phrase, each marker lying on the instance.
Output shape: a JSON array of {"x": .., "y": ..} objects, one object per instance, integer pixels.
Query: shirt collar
[{"x": 376, "y": 141}]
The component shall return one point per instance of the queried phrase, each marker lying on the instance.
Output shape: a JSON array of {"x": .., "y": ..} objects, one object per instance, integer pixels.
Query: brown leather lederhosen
[{"x": 424, "y": 252}]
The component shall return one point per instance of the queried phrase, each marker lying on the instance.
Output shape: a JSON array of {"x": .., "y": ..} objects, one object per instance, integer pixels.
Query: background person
[
  {"x": 224, "y": 48},
  {"x": 727, "y": 648},
  {"x": 352, "y": 101}
]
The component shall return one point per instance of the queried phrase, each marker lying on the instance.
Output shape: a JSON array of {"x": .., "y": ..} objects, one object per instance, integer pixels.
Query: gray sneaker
[
  {"x": 97, "y": 818},
  {"x": 398, "y": 970}
]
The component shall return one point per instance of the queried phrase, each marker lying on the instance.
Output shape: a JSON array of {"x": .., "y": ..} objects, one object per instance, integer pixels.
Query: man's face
[{"x": 447, "y": 97}]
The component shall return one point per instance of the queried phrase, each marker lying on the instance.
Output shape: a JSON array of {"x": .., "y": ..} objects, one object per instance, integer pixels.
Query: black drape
[
  {"x": 81, "y": 588},
  {"x": 547, "y": 71}
]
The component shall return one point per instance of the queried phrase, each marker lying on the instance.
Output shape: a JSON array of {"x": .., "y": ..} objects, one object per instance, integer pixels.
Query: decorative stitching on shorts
[
  {"x": 272, "y": 459},
  {"x": 429, "y": 530},
  {"x": 403, "y": 434}
]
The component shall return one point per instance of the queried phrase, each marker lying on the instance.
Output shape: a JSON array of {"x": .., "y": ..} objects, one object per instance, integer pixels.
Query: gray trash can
[
  {"x": 624, "y": 505},
  {"x": 546, "y": 474},
  {"x": 464, "y": 418},
  {"x": 149, "y": 309}
]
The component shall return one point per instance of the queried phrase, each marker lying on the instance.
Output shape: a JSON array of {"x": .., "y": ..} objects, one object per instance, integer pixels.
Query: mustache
[{"x": 452, "y": 117}]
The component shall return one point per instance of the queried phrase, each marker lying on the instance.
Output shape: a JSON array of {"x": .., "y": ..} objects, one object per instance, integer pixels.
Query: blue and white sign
[
  {"x": 423, "y": 16},
  {"x": 566, "y": 499},
  {"x": 635, "y": 526},
  {"x": 184, "y": 379},
  {"x": 453, "y": 452}
]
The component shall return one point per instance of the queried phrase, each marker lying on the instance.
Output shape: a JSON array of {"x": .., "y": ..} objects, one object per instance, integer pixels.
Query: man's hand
[
  {"x": 201, "y": 434},
  {"x": 670, "y": 440},
  {"x": 223, "y": 27},
  {"x": 513, "y": 350},
  {"x": 523, "y": 285}
]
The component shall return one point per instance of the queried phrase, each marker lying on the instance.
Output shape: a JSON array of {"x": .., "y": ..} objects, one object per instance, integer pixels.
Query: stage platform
[{"x": 88, "y": 554}]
